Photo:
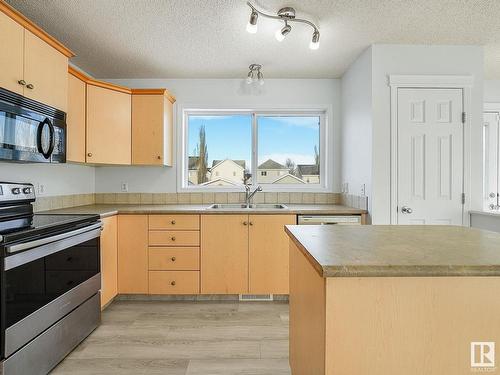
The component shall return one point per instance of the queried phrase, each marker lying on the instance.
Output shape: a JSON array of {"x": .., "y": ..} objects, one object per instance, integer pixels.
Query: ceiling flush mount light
[
  {"x": 286, "y": 15},
  {"x": 255, "y": 74}
]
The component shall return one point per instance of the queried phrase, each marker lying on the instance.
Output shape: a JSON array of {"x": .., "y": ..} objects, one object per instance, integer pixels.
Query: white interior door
[
  {"x": 430, "y": 156},
  {"x": 491, "y": 160}
]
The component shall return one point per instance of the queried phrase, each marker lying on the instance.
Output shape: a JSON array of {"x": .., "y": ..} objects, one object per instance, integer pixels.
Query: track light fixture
[
  {"x": 286, "y": 15},
  {"x": 255, "y": 74}
]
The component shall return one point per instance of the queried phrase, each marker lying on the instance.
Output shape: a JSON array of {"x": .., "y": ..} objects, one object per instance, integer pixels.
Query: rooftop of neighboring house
[
  {"x": 241, "y": 163},
  {"x": 307, "y": 169},
  {"x": 271, "y": 164}
]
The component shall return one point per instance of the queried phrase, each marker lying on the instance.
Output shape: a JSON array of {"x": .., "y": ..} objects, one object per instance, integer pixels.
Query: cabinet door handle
[
  {"x": 173, "y": 222},
  {"x": 89, "y": 154},
  {"x": 172, "y": 238},
  {"x": 172, "y": 283},
  {"x": 158, "y": 157},
  {"x": 22, "y": 82},
  {"x": 245, "y": 223},
  {"x": 251, "y": 223},
  {"x": 30, "y": 86},
  {"x": 173, "y": 259}
]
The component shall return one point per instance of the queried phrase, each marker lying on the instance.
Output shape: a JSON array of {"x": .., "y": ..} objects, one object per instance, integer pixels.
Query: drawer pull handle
[
  {"x": 172, "y": 238},
  {"x": 173, "y": 222},
  {"x": 173, "y": 259},
  {"x": 172, "y": 283}
]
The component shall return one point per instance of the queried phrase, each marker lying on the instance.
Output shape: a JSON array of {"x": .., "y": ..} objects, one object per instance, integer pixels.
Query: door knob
[
  {"x": 406, "y": 210},
  {"x": 492, "y": 195}
]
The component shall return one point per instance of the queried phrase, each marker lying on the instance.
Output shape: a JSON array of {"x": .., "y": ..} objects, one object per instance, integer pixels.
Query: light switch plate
[{"x": 124, "y": 187}]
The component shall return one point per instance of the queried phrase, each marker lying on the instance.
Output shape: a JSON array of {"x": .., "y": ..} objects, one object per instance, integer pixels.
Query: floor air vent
[{"x": 256, "y": 297}]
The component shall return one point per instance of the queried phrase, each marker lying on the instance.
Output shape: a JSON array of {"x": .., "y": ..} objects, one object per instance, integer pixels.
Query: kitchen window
[{"x": 282, "y": 151}]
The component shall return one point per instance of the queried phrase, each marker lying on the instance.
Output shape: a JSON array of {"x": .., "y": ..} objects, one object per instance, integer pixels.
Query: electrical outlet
[
  {"x": 346, "y": 188},
  {"x": 363, "y": 190},
  {"x": 40, "y": 189},
  {"x": 124, "y": 187}
]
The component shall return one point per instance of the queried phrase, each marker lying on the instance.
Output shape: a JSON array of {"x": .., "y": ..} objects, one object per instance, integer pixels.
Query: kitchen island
[{"x": 391, "y": 300}]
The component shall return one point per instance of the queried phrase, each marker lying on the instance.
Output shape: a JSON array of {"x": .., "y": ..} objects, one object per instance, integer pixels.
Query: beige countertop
[
  {"x": 105, "y": 210},
  {"x": 384, "y": 250}
]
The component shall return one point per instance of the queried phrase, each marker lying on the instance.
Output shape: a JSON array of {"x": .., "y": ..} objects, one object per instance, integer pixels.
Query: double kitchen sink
[{"x": 243, "y": 206}]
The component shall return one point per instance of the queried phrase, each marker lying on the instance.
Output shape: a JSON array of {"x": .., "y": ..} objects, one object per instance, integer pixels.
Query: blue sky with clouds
[{"x": 279, "y": 138}]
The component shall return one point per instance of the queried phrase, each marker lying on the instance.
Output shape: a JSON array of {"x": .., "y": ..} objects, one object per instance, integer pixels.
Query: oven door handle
[
  {"x": 59, "y": 243},
  {"x": 42, "y": 241}
]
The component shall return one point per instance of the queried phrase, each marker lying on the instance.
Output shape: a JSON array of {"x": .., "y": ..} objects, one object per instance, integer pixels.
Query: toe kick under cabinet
[{"x": 207, "y": 254}]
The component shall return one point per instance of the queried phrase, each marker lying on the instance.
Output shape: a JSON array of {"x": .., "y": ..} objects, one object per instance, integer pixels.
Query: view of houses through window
[{"x": 220, "y": 149}]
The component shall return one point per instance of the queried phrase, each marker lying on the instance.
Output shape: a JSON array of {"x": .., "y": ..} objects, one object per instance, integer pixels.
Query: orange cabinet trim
[
  {"x": 165, "y": 92},
  {"x": 31, "y": 26},
  {"x": 111, "y": 86}
]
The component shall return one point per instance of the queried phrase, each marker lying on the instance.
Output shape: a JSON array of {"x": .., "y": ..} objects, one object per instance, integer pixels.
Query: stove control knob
[
  {"x": 16, "y": 191},
  {"x": 27, "y": 190}
]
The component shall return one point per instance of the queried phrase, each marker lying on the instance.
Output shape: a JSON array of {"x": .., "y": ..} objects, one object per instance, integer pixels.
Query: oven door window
[{"x": 32, "y": 285}]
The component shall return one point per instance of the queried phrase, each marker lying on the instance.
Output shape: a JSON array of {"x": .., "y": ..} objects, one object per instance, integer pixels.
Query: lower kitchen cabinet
[
  {"x": 133, "y": 254},
  {"x": 109, "y": 260},
  {"x": 268, "y": 247},
  {"x": 224, "y": 254},
  {"x": 174, "y": 282}
]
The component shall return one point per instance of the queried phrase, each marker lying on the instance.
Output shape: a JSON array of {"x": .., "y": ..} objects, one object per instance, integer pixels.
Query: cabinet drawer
[
  {"x": 174, "y": 258},
  {"x": 174, "y": 238},
  {"x": 174, "y": 222},
  {"x": 174, "y": 282}
]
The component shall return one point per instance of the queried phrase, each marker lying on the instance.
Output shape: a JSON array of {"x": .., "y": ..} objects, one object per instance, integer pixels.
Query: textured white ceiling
[{"x": 207, "y": 38}]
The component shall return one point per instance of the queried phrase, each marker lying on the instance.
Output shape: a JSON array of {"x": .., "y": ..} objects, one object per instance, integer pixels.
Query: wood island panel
[{"x": 307, "y": 316}]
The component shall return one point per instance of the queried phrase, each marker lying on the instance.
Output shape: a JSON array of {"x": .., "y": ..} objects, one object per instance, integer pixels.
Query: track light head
[
  {"x": 314, "y": 45},
  {"x": 252, "y": 22},
  {"x": 280, "y": 34}
]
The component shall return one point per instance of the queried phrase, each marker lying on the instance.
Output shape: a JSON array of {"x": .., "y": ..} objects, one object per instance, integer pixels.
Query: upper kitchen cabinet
[
  {"x": 152, "y": 120},
  {"x": 109, "y": 133},
  {"x": 36, "y": 64},
  {"x": 11, "y": 63},
  {"x": 75, "y": 119}
]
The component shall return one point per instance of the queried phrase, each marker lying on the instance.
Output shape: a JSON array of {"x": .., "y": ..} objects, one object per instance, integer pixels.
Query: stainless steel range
[{"x": 49, "y": 285}]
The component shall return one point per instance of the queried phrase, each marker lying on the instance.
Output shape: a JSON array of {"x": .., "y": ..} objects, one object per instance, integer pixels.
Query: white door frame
[{"x": 430, "y": 82}]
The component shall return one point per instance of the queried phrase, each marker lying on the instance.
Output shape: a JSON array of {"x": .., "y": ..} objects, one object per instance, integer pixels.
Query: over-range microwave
[{"x": 31, "y": 131}]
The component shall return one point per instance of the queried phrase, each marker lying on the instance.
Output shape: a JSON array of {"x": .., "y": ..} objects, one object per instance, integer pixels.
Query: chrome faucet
[{"x": 249, "y": 195}]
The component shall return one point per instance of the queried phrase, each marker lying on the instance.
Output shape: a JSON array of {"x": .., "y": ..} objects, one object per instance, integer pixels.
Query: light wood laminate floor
[{"x": 185, "y": 338}]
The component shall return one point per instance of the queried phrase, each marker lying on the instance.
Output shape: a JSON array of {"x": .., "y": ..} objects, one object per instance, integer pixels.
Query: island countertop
[{"x": 385, "y": 250}]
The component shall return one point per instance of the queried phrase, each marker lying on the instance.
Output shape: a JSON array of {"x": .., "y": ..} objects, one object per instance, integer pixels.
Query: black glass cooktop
[{"x": 42, "y": 225}]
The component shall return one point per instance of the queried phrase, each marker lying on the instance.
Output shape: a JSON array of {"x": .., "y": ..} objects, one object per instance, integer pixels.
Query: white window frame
[{"x": 324, "y": 151}]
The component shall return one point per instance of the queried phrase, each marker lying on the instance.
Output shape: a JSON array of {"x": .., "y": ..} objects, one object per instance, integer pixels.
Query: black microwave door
[{"x": 31, "y": 131}]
